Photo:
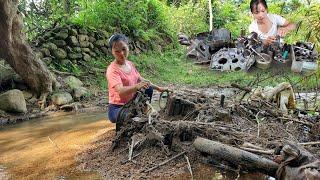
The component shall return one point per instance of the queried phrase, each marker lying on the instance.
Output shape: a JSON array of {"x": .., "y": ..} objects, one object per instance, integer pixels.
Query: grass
[{"x": 172, "y": 67}]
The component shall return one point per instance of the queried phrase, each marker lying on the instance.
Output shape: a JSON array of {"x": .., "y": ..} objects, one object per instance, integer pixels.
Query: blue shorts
[{"x": 114, "y": 109}]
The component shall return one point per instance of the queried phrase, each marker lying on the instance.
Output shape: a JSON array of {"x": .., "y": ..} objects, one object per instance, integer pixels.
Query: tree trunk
[
  {"x": 17, "y": 52},
  {"x": 244, "y": 159}
]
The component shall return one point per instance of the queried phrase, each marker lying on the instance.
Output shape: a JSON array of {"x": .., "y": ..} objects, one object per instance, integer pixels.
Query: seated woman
[
  {"x": 268, "y": 26},
  {"x": 123, "y": 78}
]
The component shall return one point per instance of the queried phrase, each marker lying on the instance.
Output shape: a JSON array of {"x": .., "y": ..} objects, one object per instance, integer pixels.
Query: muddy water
[{"x": 46, "y": 149}]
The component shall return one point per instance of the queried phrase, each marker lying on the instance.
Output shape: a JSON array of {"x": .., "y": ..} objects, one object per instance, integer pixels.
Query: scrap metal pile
[
  {"x": 223, "y": 54},
  {"x": 256, "y": 125}
]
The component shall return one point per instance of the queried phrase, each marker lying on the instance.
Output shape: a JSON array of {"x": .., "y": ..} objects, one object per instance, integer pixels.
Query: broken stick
[{"x": 165, "y": 162}]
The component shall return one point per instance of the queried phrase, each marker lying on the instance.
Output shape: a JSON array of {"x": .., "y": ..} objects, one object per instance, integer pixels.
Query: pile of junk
[{"x": 218, "y": 49}]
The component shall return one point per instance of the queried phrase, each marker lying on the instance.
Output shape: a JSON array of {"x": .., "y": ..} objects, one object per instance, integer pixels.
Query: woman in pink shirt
[{"x": 123, "y": 78}]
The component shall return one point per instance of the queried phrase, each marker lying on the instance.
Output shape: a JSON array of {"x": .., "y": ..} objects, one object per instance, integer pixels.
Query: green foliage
[
  {"x": 145, "y": 21},
  {"x": 190, "y": 18}
]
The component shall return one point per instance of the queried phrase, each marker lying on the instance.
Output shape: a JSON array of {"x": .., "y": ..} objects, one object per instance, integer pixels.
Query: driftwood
[{"x": 245, "y": 160}]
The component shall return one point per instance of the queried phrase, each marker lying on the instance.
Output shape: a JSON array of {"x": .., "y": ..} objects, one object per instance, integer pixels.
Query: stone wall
[{"x": 70, "y": 44}]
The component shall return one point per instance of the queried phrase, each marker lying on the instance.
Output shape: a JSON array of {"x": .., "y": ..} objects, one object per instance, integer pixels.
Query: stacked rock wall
[{"x": 70, "y": 44}]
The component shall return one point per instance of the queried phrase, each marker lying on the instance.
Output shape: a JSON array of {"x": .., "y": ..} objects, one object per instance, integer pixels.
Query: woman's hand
[
  {"x": 162, "y": 89},
  {"x": 270, "y": 40},
  {"x": 142, "y": 84},
  {"x": 282, "y": 31}
]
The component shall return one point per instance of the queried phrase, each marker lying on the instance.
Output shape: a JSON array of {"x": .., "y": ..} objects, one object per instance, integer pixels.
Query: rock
[
  {"x": 27, "y": 95},
  {"x": 60, "y": 43},
  {"x": 83, "y": 31},
  {"x": 105, "y": 50},
  {"x": 86, "y": 50},
  {"x": 84, "y": 44},
  {"x": 61, "y": 35},
  {"x": 91, "y": 46},
  {"x": 73, "y": 32},
  {"x": 100, "y": 43},
  {"x": 61, "y": 98},
  {"x": 69, "y": 49},
  {"x": 73, "y": 41},
  {"x": 97, "y": 51},
  {"x": 92, "y": 54},
  {"x": 13, "y": 101},
  {"x": 91, "y": 34},
  {"x": 39, "y": 54},
  {"x": 59, "y": 53},
  {"x": 92, "y": 39},
  {"x": 80, "y": 92},
  {"x": 47, "y": 35},
  {"x": 73, "y": 82},
  {"x": 47, "y": 60},
  {"x": 65, "y": 61},
  {"x": 77, "y": 49},
  {"x": 83, "y": 38},
  {"x": 75, "y": 55},
  {"x": 86, "y": 57},
  {"x": 66, "y": 30},
  {"x": 45, "y": 51},
  {"x": 50, "y": 46}
]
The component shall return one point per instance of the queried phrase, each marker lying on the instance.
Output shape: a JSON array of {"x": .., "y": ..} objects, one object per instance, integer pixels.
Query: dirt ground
[
  {"x": 87, "y": 154},
  {"x": 115, "y": 165}
]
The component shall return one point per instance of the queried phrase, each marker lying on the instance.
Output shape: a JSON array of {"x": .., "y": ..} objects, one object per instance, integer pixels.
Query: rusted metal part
[
  {"x": 205, "y": 44},
  {"x": 230, "y": 60}
]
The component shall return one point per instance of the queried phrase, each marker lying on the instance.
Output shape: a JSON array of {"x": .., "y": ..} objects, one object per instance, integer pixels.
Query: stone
[
  {"x": 50, "y": 46},
  {"x": 45, "y": 51},
  {"x": 13, "y": 101},
  {"x": 86, "y": 57},
  {"x": 99, "y": 43},
  {"x": 47, "y": 60},
  {"x": 27, "y": 95},
  {"x": 75, "y": 55},
  {"x": 80, "y": 93},
  {"x": 83, "y": 38},
  {"x": 86, "y": 50},
  {"x": 61, "y": 98},
  {"x": 69, "y": 49},
  {"x": 92, "y": 39},
  {"x": 105, "y": 50},
  {"x": 39, "y": 54},
  {"x": 60, "y": 43},
  {"x": 73, "y": 82},
  {"x": 91, "y": 46},
  {"x": 73, "y": 32},
  {"x": 73, "y": 41},
  {"x": 47, "y": 35},
  {"x": 92, "y": 54},
  {"x": 59, "y": 53},
  {"x": 83, "y": 31},
  {"x": 65, "y": 62},
  {"x": 84, "y": 44},
  {"x": 61, "y": 35},
  {"x": 77, "y": 49}
]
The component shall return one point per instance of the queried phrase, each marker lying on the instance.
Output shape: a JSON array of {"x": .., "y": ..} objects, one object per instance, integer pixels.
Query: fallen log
[{"x": 240, "y": 158}]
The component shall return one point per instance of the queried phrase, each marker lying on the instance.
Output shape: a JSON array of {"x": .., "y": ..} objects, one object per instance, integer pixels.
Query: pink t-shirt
[{"x": 116, "y": 76}]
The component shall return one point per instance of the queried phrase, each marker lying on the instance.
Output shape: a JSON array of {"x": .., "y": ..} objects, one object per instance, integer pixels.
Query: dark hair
[
  {"x": 116, "y": 38},
  {"x": 254, "y": 4}
]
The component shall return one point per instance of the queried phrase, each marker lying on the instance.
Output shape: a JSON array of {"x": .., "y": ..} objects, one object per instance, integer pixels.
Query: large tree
[{"x": 18, "y": 53}]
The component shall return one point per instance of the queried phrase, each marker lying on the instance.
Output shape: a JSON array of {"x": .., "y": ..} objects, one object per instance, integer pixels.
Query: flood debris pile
[
  {"x": 218, "y": 49},
  {"x": 193, "y": 124}
]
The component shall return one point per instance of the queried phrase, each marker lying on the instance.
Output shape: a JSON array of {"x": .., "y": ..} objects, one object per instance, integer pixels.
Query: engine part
[
  {"x": 263, "y": 61},
  {"x": 230, "y": 60}
]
